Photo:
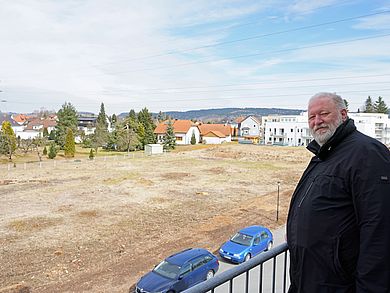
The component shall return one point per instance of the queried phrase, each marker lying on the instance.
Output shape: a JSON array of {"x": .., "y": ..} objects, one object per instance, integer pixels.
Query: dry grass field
[{"x": 97, "y": 226}]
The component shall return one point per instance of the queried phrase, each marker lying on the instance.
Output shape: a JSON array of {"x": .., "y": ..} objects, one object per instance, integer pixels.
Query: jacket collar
[{"x": 345, "y": 129}]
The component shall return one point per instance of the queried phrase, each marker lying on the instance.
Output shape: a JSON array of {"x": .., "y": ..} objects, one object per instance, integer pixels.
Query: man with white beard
[{"x": 338, "y": 227}]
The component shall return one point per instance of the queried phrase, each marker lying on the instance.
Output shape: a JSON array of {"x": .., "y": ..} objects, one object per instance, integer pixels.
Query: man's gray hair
[{"x": 339, "y": 102}]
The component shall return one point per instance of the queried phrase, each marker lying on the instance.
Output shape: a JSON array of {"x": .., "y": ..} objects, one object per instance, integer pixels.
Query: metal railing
[{"x": 259, "y": 274}]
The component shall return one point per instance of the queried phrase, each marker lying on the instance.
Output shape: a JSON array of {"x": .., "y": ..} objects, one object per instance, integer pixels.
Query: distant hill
[{"x": 224, "y": 114}]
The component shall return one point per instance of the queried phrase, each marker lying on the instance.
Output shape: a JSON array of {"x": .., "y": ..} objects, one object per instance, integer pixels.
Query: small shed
[{"x": 153, "y": 149}]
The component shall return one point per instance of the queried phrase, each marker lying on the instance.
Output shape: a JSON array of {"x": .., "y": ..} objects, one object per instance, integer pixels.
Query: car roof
[
  {"x": 253, "y": 230},
  {"x": 183, "y": 256}
]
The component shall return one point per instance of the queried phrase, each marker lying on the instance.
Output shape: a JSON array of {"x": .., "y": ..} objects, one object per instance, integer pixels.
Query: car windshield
[
  {"x": 167, "y": 270},
  {"x": 242, "y": 239}
]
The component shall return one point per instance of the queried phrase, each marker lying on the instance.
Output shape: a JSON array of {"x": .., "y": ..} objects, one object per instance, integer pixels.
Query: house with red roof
[
  {"x": 215, "y": 133},
  {"x": 36, "y": 126},
  {"x": 183, "y": 130}
]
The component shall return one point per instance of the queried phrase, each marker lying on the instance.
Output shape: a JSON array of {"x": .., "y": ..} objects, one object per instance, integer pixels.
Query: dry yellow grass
[
  {"x": 33, "y": 224},
  {"x": 90, "y": 226}
]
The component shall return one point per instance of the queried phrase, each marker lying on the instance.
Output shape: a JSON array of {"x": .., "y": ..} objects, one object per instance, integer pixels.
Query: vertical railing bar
[
  {"x": 261, "y": 278},
  {"x": 231, "y": 285},
  {"x": 247, "y": 281},
  {"x": 274, "y": 276},
  {"x": 285, "y": 272}
]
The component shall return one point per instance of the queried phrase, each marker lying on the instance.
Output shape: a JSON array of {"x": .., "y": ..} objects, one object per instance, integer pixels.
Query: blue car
[
  {"x": 246, "y": 243},
  {"x": 179, "y": 271}
]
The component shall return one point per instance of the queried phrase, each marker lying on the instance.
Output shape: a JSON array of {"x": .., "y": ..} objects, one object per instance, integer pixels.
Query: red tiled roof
[
  {"x": 20, "y": 118},
  {"x": 223, "y": 129},
  {"x": 46, "y": 123},
  {"x": 214, "y": 133},
  {"x": 179, "y": 126}
]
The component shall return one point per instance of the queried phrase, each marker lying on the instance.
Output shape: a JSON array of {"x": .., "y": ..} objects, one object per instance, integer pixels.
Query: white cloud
[
  {"x": 89, "y": 52},
  {"x": 302, "y": 7},
  {"x": 377, "y": 22}
]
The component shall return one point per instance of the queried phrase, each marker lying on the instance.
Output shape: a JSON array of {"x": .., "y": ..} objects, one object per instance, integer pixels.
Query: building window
[{"x": 179, "y": 138}]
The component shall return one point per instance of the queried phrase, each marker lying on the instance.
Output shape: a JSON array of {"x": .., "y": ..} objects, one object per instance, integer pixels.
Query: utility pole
[{"x": 277, "y": 204}]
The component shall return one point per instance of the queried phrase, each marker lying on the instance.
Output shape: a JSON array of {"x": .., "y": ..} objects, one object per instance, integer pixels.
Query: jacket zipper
[{"x": 304, "y": 196}]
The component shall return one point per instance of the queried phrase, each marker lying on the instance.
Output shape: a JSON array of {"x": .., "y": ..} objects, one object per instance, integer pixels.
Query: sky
[{"x": 175, "y": 55}]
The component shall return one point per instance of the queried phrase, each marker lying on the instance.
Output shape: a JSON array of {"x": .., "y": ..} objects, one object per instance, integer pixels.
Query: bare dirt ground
[{"x": 97, "y": 226}]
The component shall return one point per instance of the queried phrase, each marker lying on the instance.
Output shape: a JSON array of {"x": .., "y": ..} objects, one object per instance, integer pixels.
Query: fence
[
  {"x": 259, "y": 274},
  {"x": 54, "y": 163}
]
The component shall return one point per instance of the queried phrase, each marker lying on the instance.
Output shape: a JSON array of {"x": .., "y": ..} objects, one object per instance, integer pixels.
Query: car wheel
[
  {"x": 210, "y": 274},
  {"x": 269, "y": 246},
  {"x": 247, "y": 257}
]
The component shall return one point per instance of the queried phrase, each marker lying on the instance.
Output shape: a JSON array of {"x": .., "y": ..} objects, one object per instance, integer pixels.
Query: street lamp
[{"x": 277, "y": 204}]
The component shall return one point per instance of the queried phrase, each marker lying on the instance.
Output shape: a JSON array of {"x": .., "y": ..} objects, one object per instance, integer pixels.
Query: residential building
[
  {"x": 215, "y": 133},
  {"x": 35, "y": 127},
  {"x": 183, "y": 130},
  {"x": 293, "y": 130},
  {"x": 376, "y": 125},
  {"x": 86, "y": 123},
  {"x": 236, "y": 125}
]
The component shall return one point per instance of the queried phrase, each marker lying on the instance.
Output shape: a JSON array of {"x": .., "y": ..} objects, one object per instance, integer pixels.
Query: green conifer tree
[
  {"x": 66, "y": 118},
  {"x": 145, "y": 118},
  {"x": 91, "y": 154},
  {"x": 368, "y": 106},
  {"x": 45, "y": 132},
  {"x": 193, "y": 138},
  {"x": 52, "y": 135},
  {"x": 52, "y": 151},
  {"x": 70, "y": 147},
  {"x": 44, "y": 152},
  {"x": 346, "y": 104},
  {"x": 380, "y": 106},
  {"x": 100, "y": 136},
  {"x": 7, "y": 139},
  {"x": 169, "y": 140}
]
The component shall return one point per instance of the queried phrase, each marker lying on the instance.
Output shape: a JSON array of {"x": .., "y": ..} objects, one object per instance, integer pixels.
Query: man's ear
[{"x": 344, "y": 114}]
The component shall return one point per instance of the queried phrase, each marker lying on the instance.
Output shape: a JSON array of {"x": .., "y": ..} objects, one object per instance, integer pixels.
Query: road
[{"x": 239, "y": 282}]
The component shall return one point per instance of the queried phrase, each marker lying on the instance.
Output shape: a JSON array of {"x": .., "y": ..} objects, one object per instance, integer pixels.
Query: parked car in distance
[
  {"x": 247, "y": 243},
  {"x": 179, "y": 271}
]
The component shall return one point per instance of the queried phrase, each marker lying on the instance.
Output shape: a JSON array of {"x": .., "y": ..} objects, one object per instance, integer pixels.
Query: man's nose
[{"x": 318, "y": 119}]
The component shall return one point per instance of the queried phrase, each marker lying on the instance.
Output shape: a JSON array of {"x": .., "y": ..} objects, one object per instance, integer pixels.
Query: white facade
[
  {"x": 375, "y": 125},
  {"x": 215, "y": 139},
  {"x": 293, "y": 130},
  {"x": 28, "y": 134},
  {"x": 250, "y": 127},
  {"x": 185, "y": 138}
]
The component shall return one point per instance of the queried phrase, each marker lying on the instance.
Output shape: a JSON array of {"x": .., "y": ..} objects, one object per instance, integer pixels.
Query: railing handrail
[{"x": 236, "y": 271}]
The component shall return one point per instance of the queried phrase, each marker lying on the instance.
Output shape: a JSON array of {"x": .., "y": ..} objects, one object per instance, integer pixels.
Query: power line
[
  {"x": 252, "y": 37},
  {"x": 277, "y": 82},
  {"x": 257, "y": 54},
  {"x": 238, "y": 97}
]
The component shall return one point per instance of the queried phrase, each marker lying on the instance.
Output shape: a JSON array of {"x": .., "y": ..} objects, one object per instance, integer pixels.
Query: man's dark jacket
[{"x": 338, "y": 227}]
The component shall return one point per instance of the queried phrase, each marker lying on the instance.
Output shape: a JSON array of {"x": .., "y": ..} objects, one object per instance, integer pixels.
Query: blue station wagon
[
  {"x": 247, "y": 243},
  {"x": 179, "y": 271}
]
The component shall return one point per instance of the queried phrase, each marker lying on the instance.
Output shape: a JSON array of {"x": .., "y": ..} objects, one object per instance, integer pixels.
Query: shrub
[
  {"x": 91, "y": 154},
  {"x": 52, "y": 151}
]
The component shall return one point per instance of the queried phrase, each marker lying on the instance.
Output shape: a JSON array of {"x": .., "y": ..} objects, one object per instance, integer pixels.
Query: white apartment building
[
  {"x": 293, "y": 130},
  {"x": 373, "y": 124}
]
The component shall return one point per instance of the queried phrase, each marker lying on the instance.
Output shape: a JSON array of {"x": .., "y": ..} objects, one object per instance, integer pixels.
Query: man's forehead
[{"x": 321, "y": 102}]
